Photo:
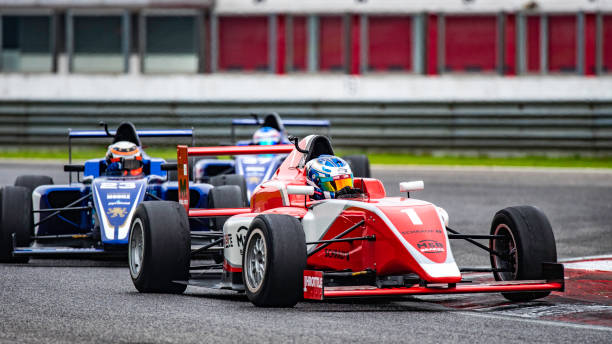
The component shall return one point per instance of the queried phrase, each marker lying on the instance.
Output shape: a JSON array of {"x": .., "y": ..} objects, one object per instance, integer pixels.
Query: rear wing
[
  {"x": 286, "y": 122},
  {"x": 182, "y": 157},
  {"x": 321, "y": 123},
  {"x": 97, "y": 134}
]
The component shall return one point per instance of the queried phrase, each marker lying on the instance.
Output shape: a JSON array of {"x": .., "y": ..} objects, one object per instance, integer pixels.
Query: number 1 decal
[{"x": 414, "y": 217}]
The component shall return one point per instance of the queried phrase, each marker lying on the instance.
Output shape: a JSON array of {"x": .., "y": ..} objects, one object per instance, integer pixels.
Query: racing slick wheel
[
  {"x": 15, "y": 217},
  {"x": 159, "y": 247},
  {"x": 360, "y": 165},
  {"x": 224, "y": 196},
  {"x": 232, "y": 179},
  {"x": 528, "y": 242},
  {"x": 31, "y": 182},
  {"x": 274, "y": 260}
]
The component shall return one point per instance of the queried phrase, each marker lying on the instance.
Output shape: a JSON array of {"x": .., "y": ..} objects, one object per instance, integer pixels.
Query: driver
[
  {"x": 331, "y": 177},
  {"x": 124, "y": 158},
  {"x": 266, "y": 136}
]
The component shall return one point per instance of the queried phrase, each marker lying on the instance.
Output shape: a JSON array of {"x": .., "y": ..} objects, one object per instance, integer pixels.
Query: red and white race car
[{"x": 286, "y": 247}]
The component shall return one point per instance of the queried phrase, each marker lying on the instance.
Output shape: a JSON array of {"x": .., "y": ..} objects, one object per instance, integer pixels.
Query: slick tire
[
  {"x": 232, "y": 179},
  {"x": 15, "y": 217},
  {"x": 274, "y": 260},
  {"x": 529, "y": 242},
  {"x": 31, "y": 182},
  {"x": 360, "y": 165},
  {"x": 159, "y": 247},
  {"x": 224, "y": 196}
]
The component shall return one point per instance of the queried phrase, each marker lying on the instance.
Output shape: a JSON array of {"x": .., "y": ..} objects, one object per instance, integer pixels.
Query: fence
[{"x": 509, "y": 127}]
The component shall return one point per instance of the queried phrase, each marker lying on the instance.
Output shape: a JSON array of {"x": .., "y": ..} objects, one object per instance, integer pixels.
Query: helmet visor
[
  {"x": 336, "y": 183},
  {"x": 267, "y": 142}
]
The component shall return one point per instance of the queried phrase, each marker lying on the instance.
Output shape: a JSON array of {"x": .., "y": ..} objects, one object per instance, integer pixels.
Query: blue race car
[
  {"x": 92, "y": 216},
  {"x": 248, "y": 171}
]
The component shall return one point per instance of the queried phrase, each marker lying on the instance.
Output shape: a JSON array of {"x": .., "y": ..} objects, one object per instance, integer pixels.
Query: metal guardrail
[{"x": 481, "y": 127}]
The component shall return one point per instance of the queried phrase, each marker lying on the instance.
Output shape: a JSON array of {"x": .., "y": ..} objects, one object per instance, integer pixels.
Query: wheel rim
[
  {"x": 508, "y": 255},
  {"x": 255, "y": 261},
  {"x": 136, "y": 248}
]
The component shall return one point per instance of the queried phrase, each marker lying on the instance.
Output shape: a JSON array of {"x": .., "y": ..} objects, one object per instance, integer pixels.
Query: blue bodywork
[
  {"x": 105, "y": 205},
  {"x": 255, "y": 168}
]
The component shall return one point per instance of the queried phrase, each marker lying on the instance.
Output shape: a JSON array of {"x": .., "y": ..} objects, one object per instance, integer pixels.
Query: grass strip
[{"x": 80, "y": 154}]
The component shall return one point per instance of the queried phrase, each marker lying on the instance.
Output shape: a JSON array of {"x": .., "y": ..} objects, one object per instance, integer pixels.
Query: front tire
[
  {"x": 274, "y": 261},
  {"x": 15, "y": 217},
  {"x": 529, "y": 241},
  {"x": 159, "y": 247},
  {"x": 31, "y": 182}
]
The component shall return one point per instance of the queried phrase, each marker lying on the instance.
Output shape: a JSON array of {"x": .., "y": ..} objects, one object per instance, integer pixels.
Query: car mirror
[
  {"x": 416, "y": 185},
  {"x": 306, "y": 190}
]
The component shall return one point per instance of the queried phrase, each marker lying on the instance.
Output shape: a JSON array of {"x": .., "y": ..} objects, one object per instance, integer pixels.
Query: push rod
[
  {"x": 59, "y": 211},
  {"x": 476, "y": 243},
  {"x": 206, "y": 247},
  {"x": 360, "y": 223}
]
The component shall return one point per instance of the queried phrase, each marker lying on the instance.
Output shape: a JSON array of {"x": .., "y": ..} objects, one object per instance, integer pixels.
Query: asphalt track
[{"x": 94, "y": 301}]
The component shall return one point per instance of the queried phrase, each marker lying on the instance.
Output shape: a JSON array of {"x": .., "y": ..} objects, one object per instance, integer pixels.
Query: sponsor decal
[
  {"x": 255, "y": 169},
  {"x": 229, "y": 241},
  {"x": 118, "y": 196},
  {"x": 116, "y": 212},
  {"x": 114, "y": 186},
  {"x": 253, "y": 180},
  {"x": 118, "y": 203},
  {"x": 421, "y": 231},
  {"x": 241, "y": 237},
  {"x": 336, "y": 254},
  {"x": 430, "y": 246},
  {"x": 313, "y": 285}
]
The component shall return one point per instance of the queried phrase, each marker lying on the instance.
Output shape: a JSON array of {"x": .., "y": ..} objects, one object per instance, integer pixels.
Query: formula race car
[
  {"x": 287, "y": 246},
  {"x": 91, "y": 217},
  {"x": 250, "y": 170}
]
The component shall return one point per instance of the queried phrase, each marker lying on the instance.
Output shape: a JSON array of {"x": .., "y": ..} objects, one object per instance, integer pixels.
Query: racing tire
[
  {"x": 232, "y": 179},
  {"x": 31, "y": 182},
  {"x": 529, "y": 242},
  {"x": 360, "y": 165},
  {"x": 15, "y": 217},
  {"x": 224, "y": 196},
  {"x": 274, "y": 260},
  {"x": 159, "y": 247}
]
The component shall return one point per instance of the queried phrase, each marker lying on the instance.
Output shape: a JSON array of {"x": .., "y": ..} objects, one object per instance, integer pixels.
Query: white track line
[{"x": 537, "y": 321}]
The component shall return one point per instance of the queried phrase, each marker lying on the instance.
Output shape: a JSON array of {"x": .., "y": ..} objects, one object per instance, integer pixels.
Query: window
[
  {"x": 562, "y": 43},
  {"x": 607, "y": 44},
  {"x": 470, "y": 43},
  {"x": 243, "y": 43},
  {"x": 533, "y": 44},
  {"x": 171, "y": 44},
  {"x": 26, "y": 44},
  {"x": 389, "y": 44},
  {"x": 331, "y": 44},
  {"x": 298, "y": 44},
  {"x": 97, "y": 44}
]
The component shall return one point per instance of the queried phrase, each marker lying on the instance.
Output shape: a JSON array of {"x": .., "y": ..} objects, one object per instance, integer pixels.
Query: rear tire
[
  {"x": 529, "y": 243},
  {"x": 224, "y": 196},
  {"x": 31, "y": 182},
  {"x": 274, "y": 261},
  {"x": 360, "y": 165},
  {"x": 232, "y": 179},
  {"x": 159, "y": 247},
  {"x": 15, "y": 217}
]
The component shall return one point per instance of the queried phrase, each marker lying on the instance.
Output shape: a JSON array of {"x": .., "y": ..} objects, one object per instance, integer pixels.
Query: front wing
[{"x": 315, "y": 289}]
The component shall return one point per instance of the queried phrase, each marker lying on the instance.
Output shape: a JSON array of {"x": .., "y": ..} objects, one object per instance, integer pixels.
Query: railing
[{"x": 481, "y": 127}]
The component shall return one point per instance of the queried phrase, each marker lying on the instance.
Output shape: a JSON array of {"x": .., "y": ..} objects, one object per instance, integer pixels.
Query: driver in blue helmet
[
  {"x": 266, "y": 136},
  {"x": 331, "y": 177}
]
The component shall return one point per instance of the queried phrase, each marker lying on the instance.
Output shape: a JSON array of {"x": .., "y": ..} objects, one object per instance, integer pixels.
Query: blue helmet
[
  {"x": 266, "y": 136},
  {"x": 328, "y": 174}
]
